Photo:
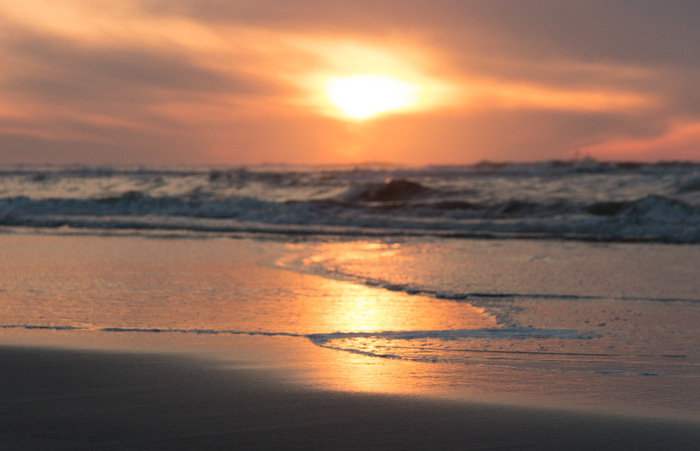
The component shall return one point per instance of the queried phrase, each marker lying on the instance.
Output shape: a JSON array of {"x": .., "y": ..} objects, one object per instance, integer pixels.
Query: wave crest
[{"x": 392, "y": 190}]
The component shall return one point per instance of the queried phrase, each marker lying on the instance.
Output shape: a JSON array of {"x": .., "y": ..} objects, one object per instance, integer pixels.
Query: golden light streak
[
  {"x": 509, "y": 95},
  {"x": 681, "y": 140}
]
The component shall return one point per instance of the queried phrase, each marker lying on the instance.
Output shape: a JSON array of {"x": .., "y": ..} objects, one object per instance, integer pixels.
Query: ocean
[
  {"x": 577, "y": 272},
  {"x": 585, "y": 201}
]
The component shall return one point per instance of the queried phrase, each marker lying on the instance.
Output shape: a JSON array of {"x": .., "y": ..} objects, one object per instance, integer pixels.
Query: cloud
[
  {"x": 239, "y": 81},
  {"x": 627, "y": 31},
  {"x": 67, "y": 90},
  {"x": 63, "y": 71}
]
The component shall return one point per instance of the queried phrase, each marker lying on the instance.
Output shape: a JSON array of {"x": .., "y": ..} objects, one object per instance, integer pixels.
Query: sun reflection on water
[
  {"x": 345, "y": 307},
  {"x": 337, "y": 306}
]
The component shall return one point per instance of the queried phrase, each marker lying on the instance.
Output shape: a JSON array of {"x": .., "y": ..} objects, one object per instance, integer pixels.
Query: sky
[{"x": 237, "y": 82}]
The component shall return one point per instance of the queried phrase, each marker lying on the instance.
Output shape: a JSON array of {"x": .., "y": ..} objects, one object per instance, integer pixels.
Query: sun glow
[{"x": 365, "y": 95}]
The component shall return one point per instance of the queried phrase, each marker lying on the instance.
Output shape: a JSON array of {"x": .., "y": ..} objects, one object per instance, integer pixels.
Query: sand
[{"x": 79, "y": 399}]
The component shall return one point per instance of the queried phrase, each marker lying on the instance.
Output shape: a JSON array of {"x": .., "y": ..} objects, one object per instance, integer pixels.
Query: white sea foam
[{"x": 507, "y": 333}]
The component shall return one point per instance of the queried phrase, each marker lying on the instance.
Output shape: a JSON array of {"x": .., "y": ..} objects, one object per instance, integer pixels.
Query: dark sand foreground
[{"x": 69, "y": 399}]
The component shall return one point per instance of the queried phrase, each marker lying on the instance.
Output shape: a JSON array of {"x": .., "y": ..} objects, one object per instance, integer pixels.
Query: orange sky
[{"x": 242, "y": 82}]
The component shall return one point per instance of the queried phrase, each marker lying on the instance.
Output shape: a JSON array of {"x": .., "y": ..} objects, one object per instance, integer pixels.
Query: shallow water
[{"x": 613, "y": 308}]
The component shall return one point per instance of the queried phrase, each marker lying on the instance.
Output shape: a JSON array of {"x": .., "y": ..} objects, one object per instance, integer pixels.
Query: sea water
[
  {"x": 583, "y": 201},
  {"x": 583, "y": 270}
]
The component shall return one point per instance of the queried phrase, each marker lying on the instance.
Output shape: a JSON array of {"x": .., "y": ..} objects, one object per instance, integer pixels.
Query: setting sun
[{"x": 365, "y": 95}]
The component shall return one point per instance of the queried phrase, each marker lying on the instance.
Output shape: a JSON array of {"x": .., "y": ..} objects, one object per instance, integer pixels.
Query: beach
[
  {"x": 61, "y": 399},
  {"x": 349, "y": 225},
  {"x": 151, "y": 342}
]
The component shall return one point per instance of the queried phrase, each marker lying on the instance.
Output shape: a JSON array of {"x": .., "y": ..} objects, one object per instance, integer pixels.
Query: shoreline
[{"x": 85, "y": 399}]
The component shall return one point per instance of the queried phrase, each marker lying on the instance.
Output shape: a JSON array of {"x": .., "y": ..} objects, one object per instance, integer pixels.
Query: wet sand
[{"x": 87, "y": 399}]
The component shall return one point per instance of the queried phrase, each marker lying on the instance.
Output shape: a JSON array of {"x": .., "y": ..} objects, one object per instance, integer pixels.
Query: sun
[{"x": 365, "y": 95}]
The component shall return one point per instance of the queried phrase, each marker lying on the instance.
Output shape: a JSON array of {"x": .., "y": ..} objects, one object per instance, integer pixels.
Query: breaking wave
[{"x": 601, "y": 202}]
